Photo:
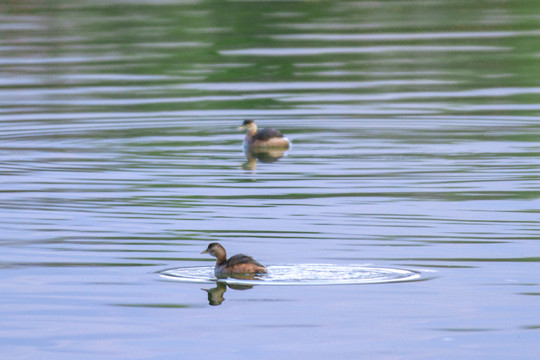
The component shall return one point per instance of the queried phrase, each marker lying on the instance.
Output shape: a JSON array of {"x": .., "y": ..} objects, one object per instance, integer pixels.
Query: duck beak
[
  {"x": 241, "y": 127},
  {"x": 204, "y": 252}
]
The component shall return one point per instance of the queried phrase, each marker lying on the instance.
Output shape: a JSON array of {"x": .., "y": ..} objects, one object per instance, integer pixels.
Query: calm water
[{"x": 415, "y": 129}]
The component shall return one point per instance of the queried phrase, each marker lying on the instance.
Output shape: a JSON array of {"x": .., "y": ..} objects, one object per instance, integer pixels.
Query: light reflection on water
[{"x": 415, "y": 137}]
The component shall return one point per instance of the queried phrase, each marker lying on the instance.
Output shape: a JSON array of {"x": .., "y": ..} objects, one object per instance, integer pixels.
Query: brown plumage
[
  {"x": 237, "y": 264},
  {"x": 264, "y": 138}
]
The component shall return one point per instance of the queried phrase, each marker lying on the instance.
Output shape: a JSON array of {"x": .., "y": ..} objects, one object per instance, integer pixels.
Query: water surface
[{"x": 415, "y": 129}]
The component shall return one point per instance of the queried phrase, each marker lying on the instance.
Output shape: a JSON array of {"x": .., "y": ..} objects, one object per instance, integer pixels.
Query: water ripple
[
  {"x": 303, "y": 51},
  {"x": 304, "y": 274}
]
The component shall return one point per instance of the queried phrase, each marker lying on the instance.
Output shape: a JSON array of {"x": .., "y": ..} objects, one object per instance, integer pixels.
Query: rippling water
[
  {"x": 415, "y": 129},
  {"x": 298, "y": 274}
]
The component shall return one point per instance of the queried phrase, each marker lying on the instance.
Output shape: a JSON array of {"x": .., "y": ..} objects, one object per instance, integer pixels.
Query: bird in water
[
  {"x": 263, "y": 139},
  {"x": 237, "y": 264}
]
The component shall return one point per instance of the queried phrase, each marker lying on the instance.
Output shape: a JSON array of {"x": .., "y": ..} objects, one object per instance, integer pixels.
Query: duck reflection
[
  {"x": 215, "y": 295},
  {"x": 262, "y": 155}
]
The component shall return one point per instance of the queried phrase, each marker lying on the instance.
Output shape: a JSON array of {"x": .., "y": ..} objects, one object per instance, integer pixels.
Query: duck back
[
  {"x": 266, "y": 134},
  {"x": 244, "y": 264}
]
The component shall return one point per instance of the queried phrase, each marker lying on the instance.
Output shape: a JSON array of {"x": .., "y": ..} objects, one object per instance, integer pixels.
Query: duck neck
[
  {"x": 221, "y": 257},
  {"x": 252, "y": 130}
]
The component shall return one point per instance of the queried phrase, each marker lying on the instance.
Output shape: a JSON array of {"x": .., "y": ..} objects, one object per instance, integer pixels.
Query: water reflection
[
  {"x": 215, "y": 294},
  {"x": 419, "y": 127},
  {"x": 263, "y": 155}
]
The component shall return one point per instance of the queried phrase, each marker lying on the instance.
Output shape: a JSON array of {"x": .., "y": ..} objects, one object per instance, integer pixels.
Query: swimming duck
[
  {"x": 264, "y": 138},
  {"x": 237, "y": 264}
]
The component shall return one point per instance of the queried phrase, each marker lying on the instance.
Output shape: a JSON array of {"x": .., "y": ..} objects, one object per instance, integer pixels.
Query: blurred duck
[
  {"x": 237, "y": 264},
  {"x": 264, "y": 138}
]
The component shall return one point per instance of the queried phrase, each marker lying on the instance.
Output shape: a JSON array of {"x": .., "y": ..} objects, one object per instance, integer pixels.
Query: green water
[{"x": 415, "y": 128}]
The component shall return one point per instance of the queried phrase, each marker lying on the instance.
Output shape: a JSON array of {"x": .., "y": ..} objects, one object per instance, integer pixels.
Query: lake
[{"x": 415, "y": 128}]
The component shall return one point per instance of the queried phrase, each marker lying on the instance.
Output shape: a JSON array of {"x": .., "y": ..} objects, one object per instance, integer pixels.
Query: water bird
[
  {"x": 237, "y": 264},
  {"x": 265, "y": 138}
]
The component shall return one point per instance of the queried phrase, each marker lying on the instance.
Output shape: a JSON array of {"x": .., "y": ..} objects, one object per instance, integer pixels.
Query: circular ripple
[{"x": 305, "y": 274}]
